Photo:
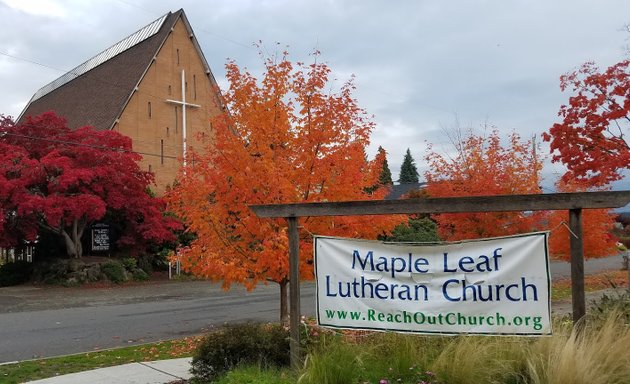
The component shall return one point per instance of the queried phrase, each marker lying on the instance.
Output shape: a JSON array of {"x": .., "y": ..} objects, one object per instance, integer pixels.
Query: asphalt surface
[
  {"x": 43, "y": 321},
  {"x": 563, "y": 269}
]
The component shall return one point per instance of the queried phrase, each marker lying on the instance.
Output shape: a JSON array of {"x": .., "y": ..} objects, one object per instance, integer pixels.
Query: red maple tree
[
  {"x": 597, "y": 227},
  {"x": 591, "y": 140},
  {"x": 61, "y": 180},
  {"x": 286, "y": 139}
]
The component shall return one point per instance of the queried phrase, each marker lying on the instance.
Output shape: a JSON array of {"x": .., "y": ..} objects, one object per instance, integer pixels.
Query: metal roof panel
[{"x": 121, "y": 46}]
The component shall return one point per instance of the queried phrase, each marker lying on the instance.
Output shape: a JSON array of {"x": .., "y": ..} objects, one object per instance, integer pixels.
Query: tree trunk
[
  {"x": 284, "y": 302},
  {"x": 71, "y": 250},
  {"x": 74, "y": 248}
]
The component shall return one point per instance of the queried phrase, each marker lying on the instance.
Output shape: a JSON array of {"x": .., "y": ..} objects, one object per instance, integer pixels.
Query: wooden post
[
  {"x": 577, "y": 264},
  {"x": 294, "y": 287}
]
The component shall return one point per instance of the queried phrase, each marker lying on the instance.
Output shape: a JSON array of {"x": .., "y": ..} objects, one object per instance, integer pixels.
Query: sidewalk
[{"x": 154, "y": 372}]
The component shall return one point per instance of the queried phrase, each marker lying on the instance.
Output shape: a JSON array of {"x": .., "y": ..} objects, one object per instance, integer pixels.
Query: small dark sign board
[{"x": 100, "y": 237}]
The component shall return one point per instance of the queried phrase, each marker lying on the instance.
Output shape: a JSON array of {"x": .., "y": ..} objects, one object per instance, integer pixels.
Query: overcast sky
[{"x": 420, "y": 66}]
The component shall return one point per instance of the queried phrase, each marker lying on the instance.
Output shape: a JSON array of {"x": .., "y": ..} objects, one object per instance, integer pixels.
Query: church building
[{"x": 154, "y": 86}]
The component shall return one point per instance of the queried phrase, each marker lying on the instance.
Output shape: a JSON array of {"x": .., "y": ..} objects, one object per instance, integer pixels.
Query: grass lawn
[
  {"x": 44, "y": 368},
  {"x": 561, "y": 288}
]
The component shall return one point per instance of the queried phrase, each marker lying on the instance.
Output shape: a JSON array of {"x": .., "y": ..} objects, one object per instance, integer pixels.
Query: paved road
[
  {"x": 563, "y": 269},
  {"x": 41, "y": 322}
]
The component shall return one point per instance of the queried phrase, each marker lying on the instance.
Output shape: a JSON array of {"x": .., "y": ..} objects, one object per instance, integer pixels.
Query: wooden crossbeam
[{"x": 501, "y": 203}]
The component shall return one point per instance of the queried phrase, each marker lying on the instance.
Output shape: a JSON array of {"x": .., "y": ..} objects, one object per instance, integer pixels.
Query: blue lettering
[
  {"x": 368, "y": 258},
  {"x": 508, "y": 295},
  {"x": 445, "y": 287},
  {"x": 446, "y": 269},
  {"x": 532, "y": 286},
  {"x": 328, "y": 287},
  {"x": 465, "y": 261}
]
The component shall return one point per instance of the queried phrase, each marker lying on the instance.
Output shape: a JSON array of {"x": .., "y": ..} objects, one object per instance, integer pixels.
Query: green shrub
[
  {"x": 233, "y": 345},
  {"x": 50, "y": 272},
  {"x": 15, "y": 273},
  {"x": 145, "y": 262},
  {"x": 129, "y": 263},
  {"x": 615, "y": 302},
  {"x": 114, "y": 271}
]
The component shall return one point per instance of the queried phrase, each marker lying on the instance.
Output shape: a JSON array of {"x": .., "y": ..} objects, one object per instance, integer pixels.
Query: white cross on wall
[{"x": 184, "y": 104}]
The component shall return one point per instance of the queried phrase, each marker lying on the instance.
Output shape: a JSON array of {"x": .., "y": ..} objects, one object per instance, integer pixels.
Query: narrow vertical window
[
  {"x": 150, "y": 168},
  {"x": 186, "y": 87},
  {"x": 149, "y": 109},
  {"x": 162, "y": 151},
  {"x": 168, "y": 134},
  {"x": 176, "y": 119},
  {"x": 195, "y": 87},
  {"x": 170, "y": 91},
  {"x": 177, "y": 56}
]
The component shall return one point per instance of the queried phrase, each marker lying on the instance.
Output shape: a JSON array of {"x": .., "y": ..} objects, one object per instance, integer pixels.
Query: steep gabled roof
[{"x": 96, "y": 92}]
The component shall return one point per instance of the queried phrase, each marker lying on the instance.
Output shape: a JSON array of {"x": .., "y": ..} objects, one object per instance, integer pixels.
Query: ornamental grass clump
[
  {"x": 333, "y": 362},
  {"x": 399, "y": 358},
  {"x": 480, "y": 359},
  {"x": 597, "y": 354},
  {"x": 372, "y": 358}
]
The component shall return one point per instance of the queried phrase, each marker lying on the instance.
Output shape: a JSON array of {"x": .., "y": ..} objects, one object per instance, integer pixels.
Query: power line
[
  {"x": 31, "y": 61},
  {"x": 198, "y": 29},
  {"x": 77, "y": 144}
]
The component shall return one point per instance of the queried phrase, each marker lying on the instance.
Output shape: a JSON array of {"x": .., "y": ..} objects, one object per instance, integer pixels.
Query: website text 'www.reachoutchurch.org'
[
  {"x": 444, "y": 319},
  {"x": 485, "y": 286}
]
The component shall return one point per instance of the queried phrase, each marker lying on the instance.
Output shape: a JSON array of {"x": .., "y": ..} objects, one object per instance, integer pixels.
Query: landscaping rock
[
  {"x": 139, "y": 274},
  {"x": 93, "y": 272},
  {"x": 79, "y": 276},
  {"x": 71, "y": 282},
  {"x": 74, "y": 265}
]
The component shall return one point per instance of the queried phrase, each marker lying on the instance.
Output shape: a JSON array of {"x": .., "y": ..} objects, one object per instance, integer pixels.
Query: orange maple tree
[
  {"x": 597, "y": 226},
  {"x": 287, "y": 138},
  {"x": 591, "y": 140},
  {"x": 482, "y": 166}
]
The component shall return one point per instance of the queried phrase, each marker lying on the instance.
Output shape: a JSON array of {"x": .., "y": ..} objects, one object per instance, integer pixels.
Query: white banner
[{"x": 497, "y": 286}]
